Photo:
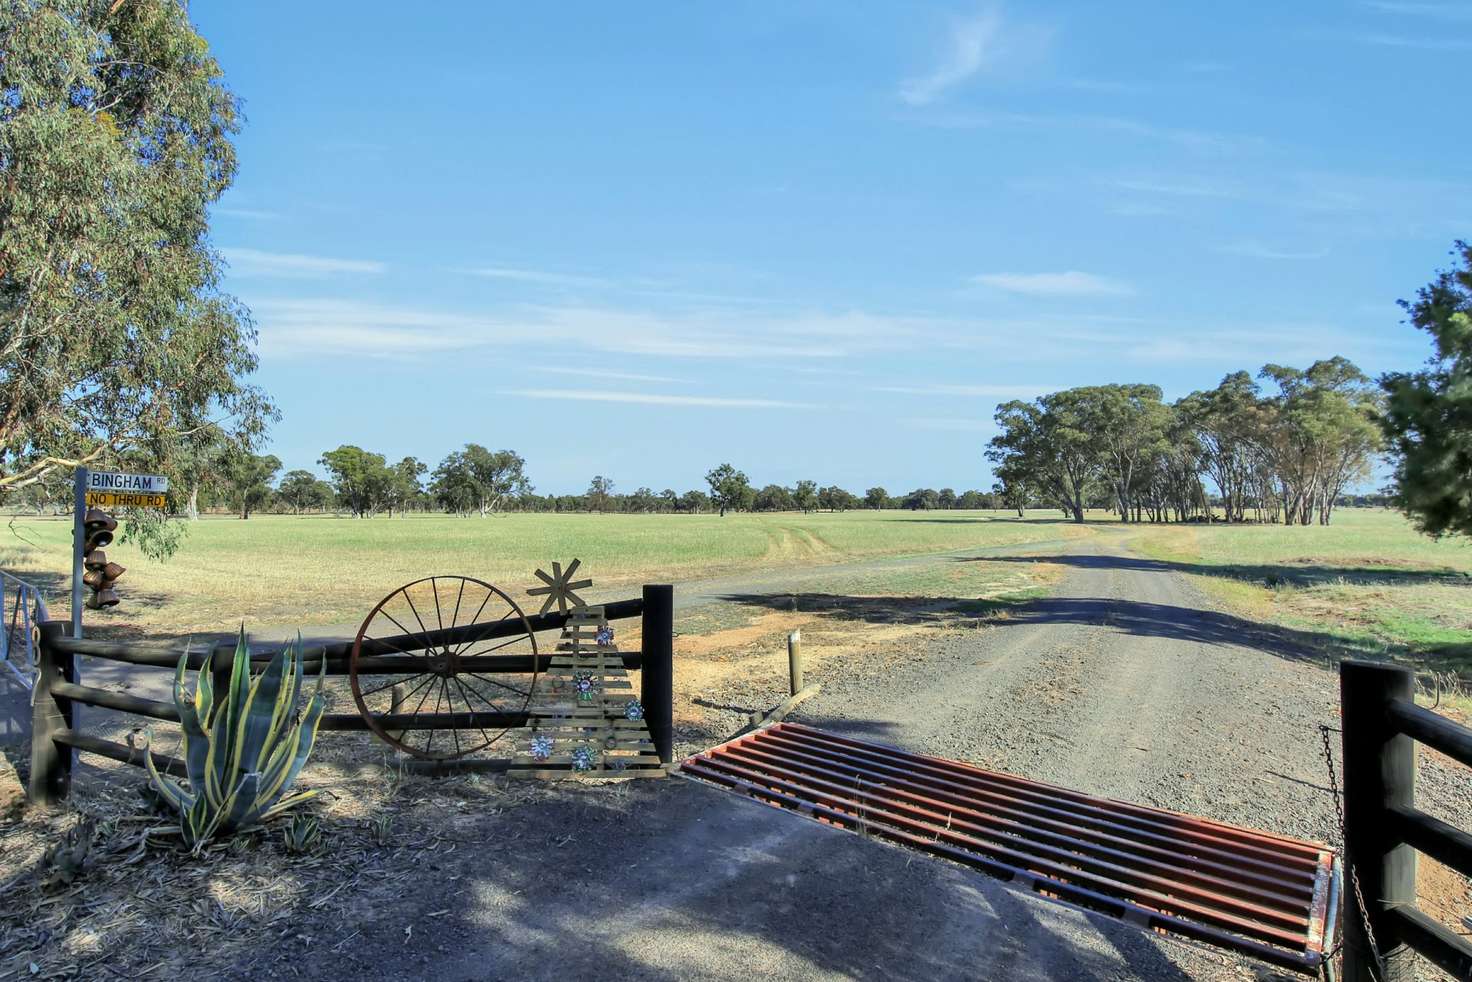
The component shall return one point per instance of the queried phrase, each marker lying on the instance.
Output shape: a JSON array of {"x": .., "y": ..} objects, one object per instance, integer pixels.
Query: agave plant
[{"x": 243, "y": 748}]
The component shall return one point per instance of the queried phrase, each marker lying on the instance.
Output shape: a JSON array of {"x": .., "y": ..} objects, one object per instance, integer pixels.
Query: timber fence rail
[
  {"x": 1384, "y": 831},
  {"x": 57, "y": 690}
]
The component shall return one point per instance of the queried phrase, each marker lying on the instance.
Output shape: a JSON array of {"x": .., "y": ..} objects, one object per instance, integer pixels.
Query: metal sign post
[
  {"x": 106, "y": 489},
  {"x": 79, "y": 534}
]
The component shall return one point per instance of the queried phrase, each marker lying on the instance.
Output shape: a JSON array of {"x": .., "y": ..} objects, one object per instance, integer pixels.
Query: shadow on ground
[
  {"x": 937, "y": 611},
  {"x": 1130, "y": 616},
  {"x": 1274, "y": 575},
  {"x": 672, "y": 880}
]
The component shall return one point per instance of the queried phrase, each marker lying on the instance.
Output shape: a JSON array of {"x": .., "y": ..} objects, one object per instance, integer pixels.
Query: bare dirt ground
[{"x": 1123, "y": 681}]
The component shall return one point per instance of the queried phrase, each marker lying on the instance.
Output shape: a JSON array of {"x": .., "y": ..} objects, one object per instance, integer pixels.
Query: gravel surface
[{"x": 1124, "y": 682}]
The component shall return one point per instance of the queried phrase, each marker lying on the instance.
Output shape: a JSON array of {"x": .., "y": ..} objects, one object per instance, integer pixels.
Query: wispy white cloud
[
  {"x": 983, "y": 42},
  {"x": 603, "y": 373},
  {"x": 1067, "y": 284},
  {"x": 1191, "y": 139},
  {"x": 946, "y": 423},
  {"x": 1180, "y": 187},
  {"x": 1385, "y": 202},
  {"x": 1257, "y": 250},
  {"x": 257, "y": 262},
  {"x": 317, "y": 326},
  {"x": 537, "y": 276},
  {"x": 1410, "y": 8},
  {"x": 979, "y": 391},
  {"x": 1412, "y": 43},
  {"x": 658, "y": 399}
]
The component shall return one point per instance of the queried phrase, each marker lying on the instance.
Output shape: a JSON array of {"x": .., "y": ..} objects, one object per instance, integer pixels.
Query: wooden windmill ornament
[
  {"x": 560, "y": 587},
  {"x": 585, "y": 718}
]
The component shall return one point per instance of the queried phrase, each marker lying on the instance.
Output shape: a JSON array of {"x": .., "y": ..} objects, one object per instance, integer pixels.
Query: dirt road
[{"x": 1123, "y": 682}]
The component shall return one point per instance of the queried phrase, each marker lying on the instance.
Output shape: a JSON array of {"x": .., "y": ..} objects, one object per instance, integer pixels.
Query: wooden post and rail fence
[
  {"x": 57, "y": 690},
  {"x": 1384, "y": 831}
]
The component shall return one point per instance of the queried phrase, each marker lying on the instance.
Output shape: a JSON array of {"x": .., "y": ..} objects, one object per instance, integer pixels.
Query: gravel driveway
[{"x": 1124, "y": 682}]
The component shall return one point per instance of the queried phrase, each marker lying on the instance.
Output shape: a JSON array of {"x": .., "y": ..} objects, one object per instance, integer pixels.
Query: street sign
[
  {"x": 125, "y": 499},
  {"x": 117, "y": 481}
]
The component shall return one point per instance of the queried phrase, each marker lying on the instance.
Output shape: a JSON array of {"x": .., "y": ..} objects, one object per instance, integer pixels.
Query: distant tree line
[
  {"x": 478, "y": 481},
  {"x": 1281, "y": 447}
]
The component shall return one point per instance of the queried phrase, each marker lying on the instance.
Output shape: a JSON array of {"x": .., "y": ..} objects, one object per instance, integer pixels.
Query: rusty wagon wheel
[{"x": 428, "y": 668}]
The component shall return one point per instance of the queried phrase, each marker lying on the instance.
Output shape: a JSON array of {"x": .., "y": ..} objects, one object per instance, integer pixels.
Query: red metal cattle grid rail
[{"x": 1260, "y": 894}]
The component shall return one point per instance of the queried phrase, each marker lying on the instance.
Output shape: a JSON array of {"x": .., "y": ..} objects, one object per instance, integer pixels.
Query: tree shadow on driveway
[
  {"x": 1284, "y": 574},
  {"x": 1132, "y": 617}
]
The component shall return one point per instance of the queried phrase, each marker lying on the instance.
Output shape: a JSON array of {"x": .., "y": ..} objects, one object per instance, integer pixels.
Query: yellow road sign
[{"x": 125, "y": 499}]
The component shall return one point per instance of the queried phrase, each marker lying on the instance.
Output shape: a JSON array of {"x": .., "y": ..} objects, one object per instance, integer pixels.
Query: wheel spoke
[
  {"x": 387, "y": 685},
  {"x": 511, "y": 688},
  {"x": 488, "y": 628},
  {"x": 470, "y": 707},
  {"x": 437, "y": 700},
  {"x": 455, "y": 617},
  {"x": 475, "y": 690},
  {"x": 417, "y": 687},
  {"x": 407, "y": 633},
  {"x": 423, "y": 631},
  {"x": 406, "y": 654},
  {"x": 497, "y": 647},
  {"x": 489, "y": 594},
  {"x": 435, "y": 669}
]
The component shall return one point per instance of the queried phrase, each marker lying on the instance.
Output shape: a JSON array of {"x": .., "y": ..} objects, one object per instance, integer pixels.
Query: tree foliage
[
  {"x": 481, "y": 480},
  {"x": 1428, "y": 414},
  {"x": 301, "y": 491},
  {"x": 116, "y": 343},
  {"x": 362, "y": 479},
  {"x": 248, "y": 478},
  {"x": 729, "y": 488},
  {"x": 1288, "y": 453}
]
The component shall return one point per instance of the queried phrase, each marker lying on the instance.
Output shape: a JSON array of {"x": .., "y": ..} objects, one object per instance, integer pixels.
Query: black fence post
[
  {"x": 51, "y": 763},
  {"x": 1379, "y": 771},
  {"x": 657, "y": 679}
]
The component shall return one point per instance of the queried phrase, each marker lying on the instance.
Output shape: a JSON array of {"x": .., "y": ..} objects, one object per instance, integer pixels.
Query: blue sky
[{"x": 818, "y": 240}]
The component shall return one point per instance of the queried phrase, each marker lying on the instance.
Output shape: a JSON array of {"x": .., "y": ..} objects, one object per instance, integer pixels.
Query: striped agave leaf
[{"x": 244, "y": 747}]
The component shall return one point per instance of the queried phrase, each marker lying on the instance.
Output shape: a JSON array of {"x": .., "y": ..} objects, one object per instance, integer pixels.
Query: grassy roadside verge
[{"x": 1367, "y": 586}]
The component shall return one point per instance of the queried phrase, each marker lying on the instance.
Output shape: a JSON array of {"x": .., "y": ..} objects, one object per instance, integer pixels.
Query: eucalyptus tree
[
  {"x": 247, "y": 479},
  {"x": 300, "y": 490},
  {"x": 1126, "y": 425},
  {"x": 1047, "y": 444},
  {"x": 1321, "y": 435},
  {"x": 405, "y": 486},
  {"x": 805, "y": 495},
  {"x": 600, "y": 491},
  {"x": 1228, "y": 423},
  {"x": 480, "y": 479},
  {"x": 1428, "y": 414},
  {"x": 362, "y": 479},
  {"x": 729, "y": 488},
  {"x": 116, "y": 341}
]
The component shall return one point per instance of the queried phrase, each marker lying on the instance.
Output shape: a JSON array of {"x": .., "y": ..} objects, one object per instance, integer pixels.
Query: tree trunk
[{"x": 192, "y": 509}]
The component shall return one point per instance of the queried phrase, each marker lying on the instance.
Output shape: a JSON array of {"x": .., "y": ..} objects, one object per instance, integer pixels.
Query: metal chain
[{"x": 1354, "y": 879}]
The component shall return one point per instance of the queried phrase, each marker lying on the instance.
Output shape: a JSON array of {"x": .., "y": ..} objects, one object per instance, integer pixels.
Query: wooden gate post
[
  {"x": 657, "y": 677},
  {"x": 51, "y": 763},
  {"x": 1379, "y": 771}
]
